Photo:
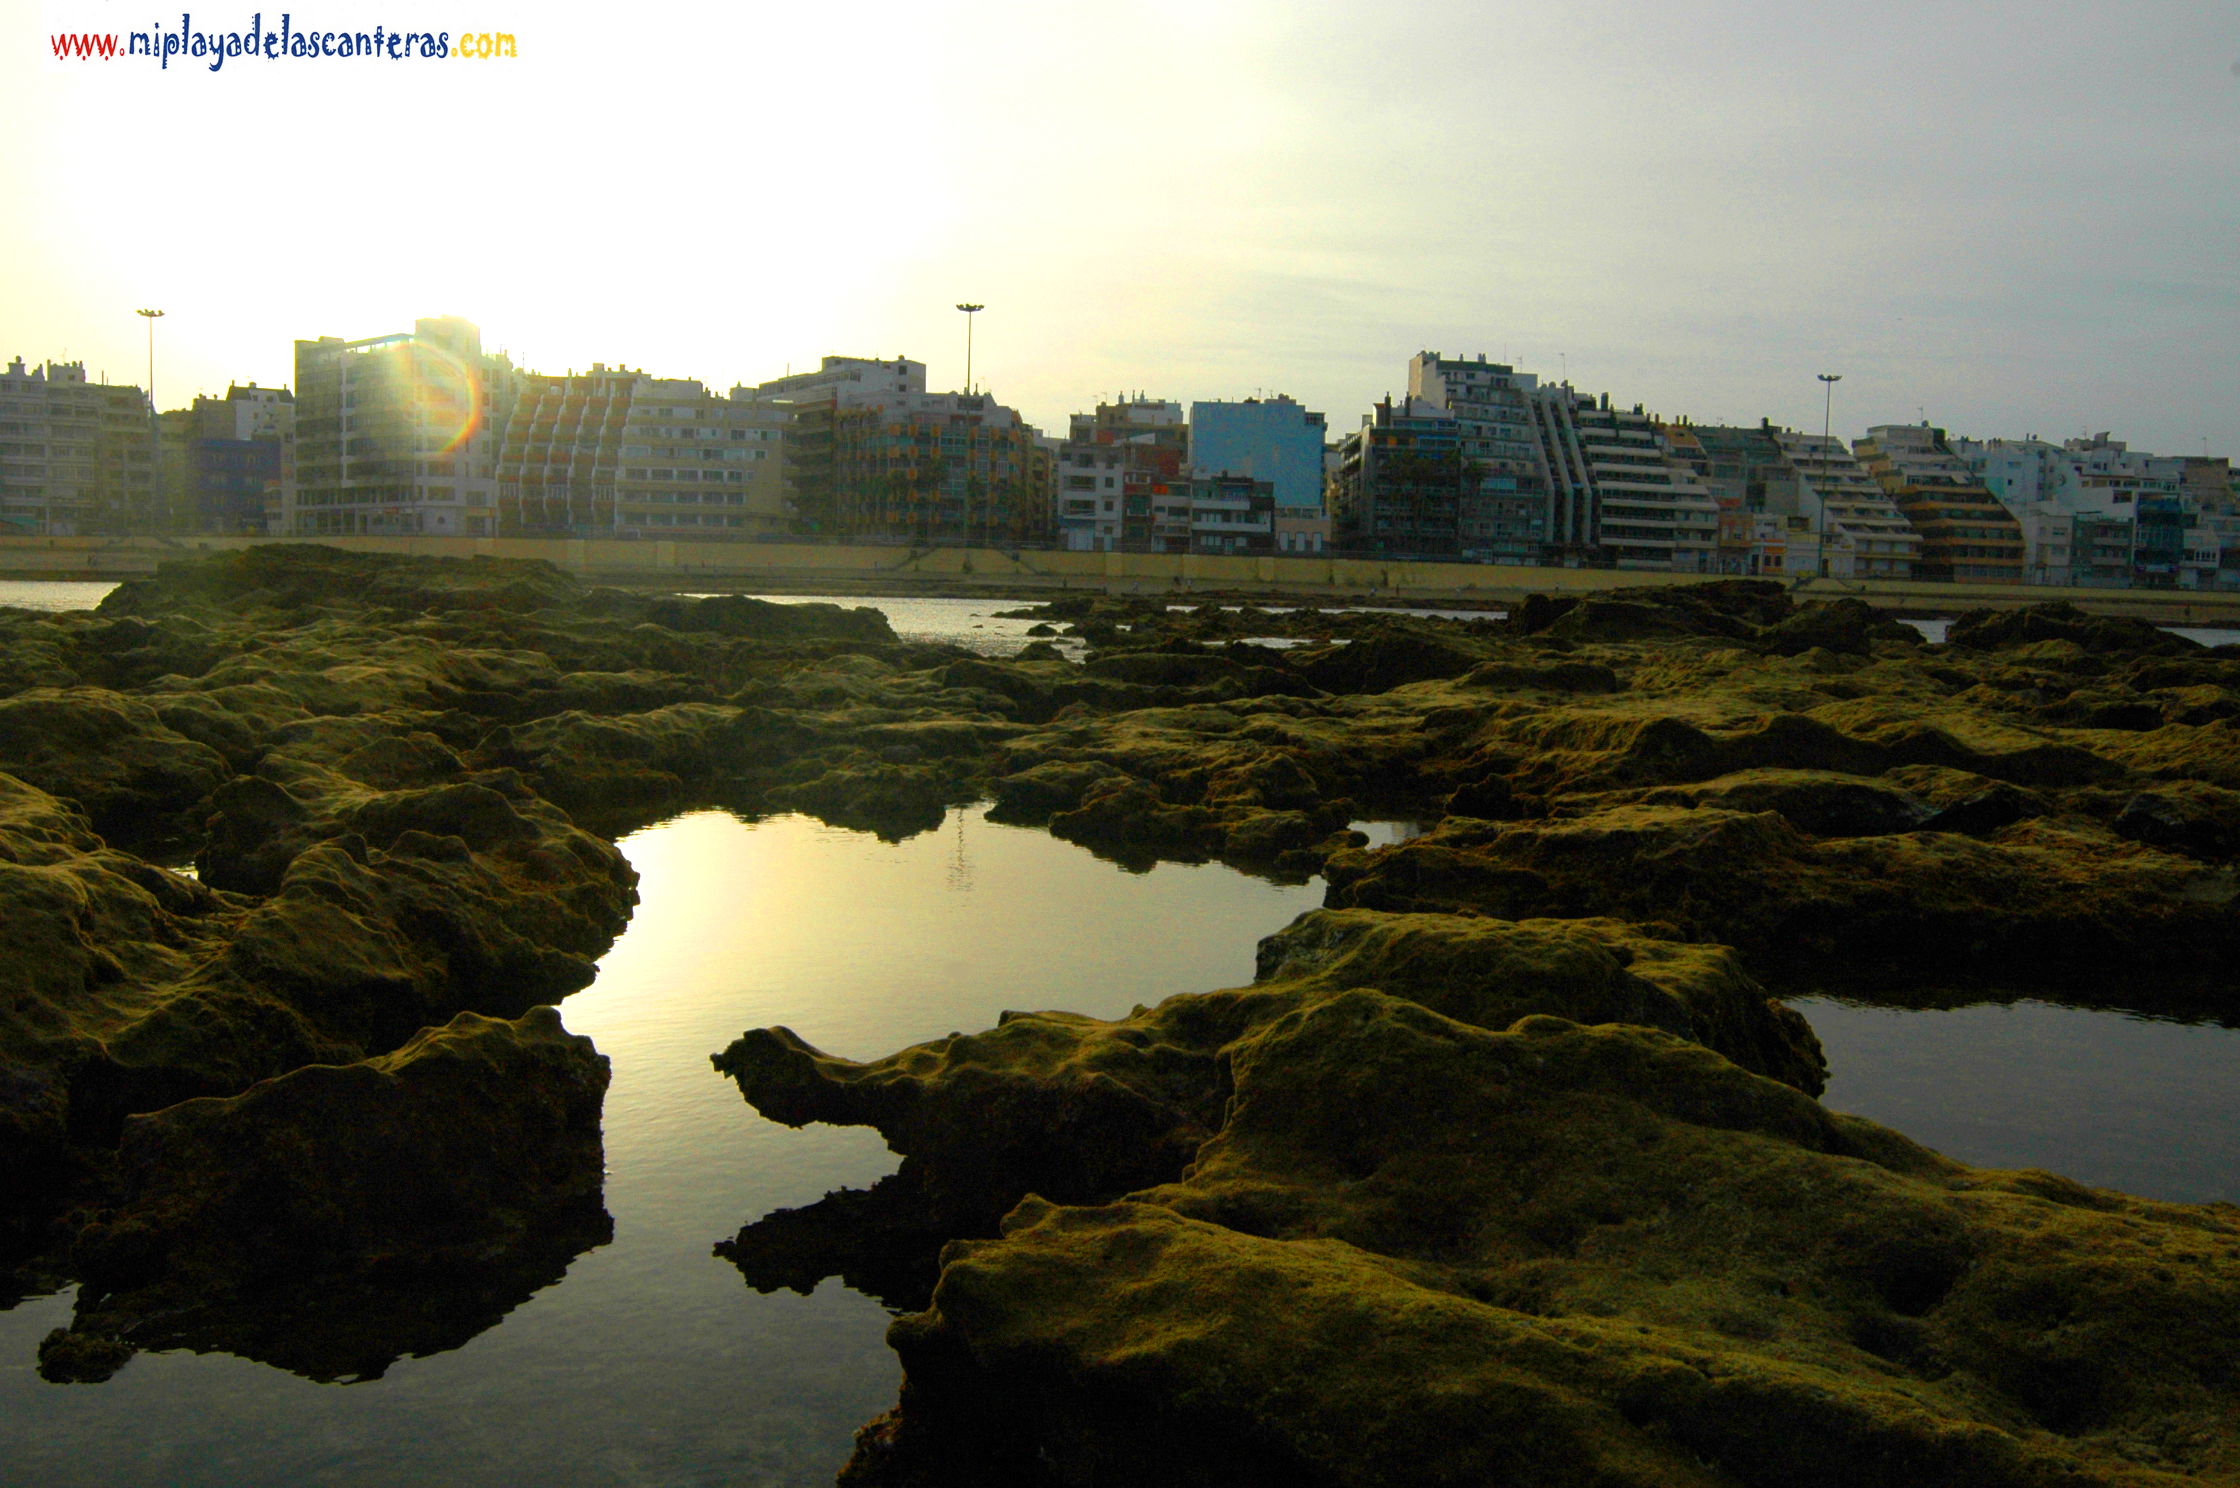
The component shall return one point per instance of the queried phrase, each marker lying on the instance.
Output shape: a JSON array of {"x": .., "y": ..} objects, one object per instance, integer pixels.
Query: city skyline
[{"x": 1696, "y": 209}]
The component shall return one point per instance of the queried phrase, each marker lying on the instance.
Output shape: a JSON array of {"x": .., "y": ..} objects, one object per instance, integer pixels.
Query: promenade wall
[{"x": 811, "y": 568}]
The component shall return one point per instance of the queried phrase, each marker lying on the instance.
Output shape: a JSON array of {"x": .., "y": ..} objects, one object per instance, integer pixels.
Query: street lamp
[
  {"x": 969, "y": 312},
  {"x": 155, "y": 434},
  {"x": 1827, "y": 424}
]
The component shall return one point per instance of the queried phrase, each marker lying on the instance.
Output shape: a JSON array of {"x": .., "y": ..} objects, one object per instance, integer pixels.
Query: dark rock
[
  {"x": 1489, "y": 798},
  {"x": 1848, "y": 627},
  {"x": 457, "y": 1155},
  {"x": 1817, "y": 802},
  {"x": 1984, "y": 630},
  {"x": 1379, "y": 661},
  {"x": 1985, "y": 812},
  {"x": 2200, "y": 821},
  {"x": 1560, "y": 676}
]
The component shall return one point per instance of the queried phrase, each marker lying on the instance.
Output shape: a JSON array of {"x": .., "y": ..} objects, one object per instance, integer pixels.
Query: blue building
[
  {"x": 230, "y": 477},
  {"x": 1272, "y": 439}
]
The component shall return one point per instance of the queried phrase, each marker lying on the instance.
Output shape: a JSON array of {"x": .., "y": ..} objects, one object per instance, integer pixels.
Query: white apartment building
[
  {"x": 397, "y": 434},
  {"x": 75, "y": 455},
  {"x": 1615, "y": 486},
  {"x": 2049, "y": 487},
  {"x": 1862, "y": 532},
  {"x": 852, "y": 382}
]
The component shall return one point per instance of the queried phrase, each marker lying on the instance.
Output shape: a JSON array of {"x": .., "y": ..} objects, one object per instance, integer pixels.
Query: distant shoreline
[{"x": 1028, "y": 574}]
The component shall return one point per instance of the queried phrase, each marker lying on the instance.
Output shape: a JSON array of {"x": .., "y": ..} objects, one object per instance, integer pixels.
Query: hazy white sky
[{"x": 2012, "y": 218}]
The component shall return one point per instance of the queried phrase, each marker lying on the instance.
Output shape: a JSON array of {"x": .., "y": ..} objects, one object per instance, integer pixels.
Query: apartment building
[
  {"x": 398, "y": 434},
  {"x": 1735, "y": 466},
  {"x": 614, "y": 452},
  {"x": 1616, "y": 494},
  {"x": 222, "y": 460},
  {"x": 811, "y": 402},
  {"x": 1966, "y": 534},
  {"x": 76, "y": 457},
  {"x": 938, "y": 467},
  {"x": 1503, "y": 514},
  {"x": 2093, "y": 511},
  {"x": 1272, "y": 439},
  {"x": 1398, "y": 488},
  {"x": 1122, "y": 477},
  {"x": 1861, "y": 532},
  {"x": 1231, "y": 514}
]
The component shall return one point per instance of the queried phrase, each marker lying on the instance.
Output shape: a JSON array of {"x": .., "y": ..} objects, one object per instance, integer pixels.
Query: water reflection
[
  {"x": 652, "y": 1362},
  {"x": 2140, "y": 1104}
]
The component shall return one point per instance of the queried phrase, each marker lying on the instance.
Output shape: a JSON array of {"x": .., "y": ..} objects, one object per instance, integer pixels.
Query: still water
[{"x": 652, "y": 1362}]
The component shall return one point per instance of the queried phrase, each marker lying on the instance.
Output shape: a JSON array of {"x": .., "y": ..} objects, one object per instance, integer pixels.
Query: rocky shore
[{"x": 1507, "y": 1168}]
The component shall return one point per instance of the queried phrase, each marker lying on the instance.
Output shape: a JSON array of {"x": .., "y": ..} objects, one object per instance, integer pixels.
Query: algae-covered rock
[
  {"x": 465, "y": 1150},
  {"x": 1490, "y": 973},
  {"x": 112, "y": 755},
  {"x": 1419, "y": 1251},
  {"x": 2050, "y": 900},
  {"x": 1979, "y": 630},
  {"x": 1082, "y": 1108}
]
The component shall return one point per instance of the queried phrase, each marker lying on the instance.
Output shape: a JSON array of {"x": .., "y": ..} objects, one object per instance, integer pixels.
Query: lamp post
[
  {"x": 1828, "y": 380},
  {"x": 969, "y": 312},
  {"x": 155, "y": 424}
]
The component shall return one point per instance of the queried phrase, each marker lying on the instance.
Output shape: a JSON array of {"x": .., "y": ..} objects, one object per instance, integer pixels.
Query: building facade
[
  {"x": 1967, "y": 535},
  {"x": 614, "y": 452},
  {"x": 1231, "y": 514},
  {"x": 1121, "y": 475},
  {"x": 222, "y": 460},
  {"x": 811, "y": 404},
  {"x": 938, "y": 467},
  {"x": 1503, "y": 513},
  {"x": 1398, "y": 489},
  {"x": 398, "y": 434},
  {"x": 1271, "y": 439},
  {"x": 77, "y": 458}
]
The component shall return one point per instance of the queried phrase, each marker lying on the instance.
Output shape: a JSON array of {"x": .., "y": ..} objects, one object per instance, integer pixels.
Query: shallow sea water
[{"x": 652, "y": 1362}]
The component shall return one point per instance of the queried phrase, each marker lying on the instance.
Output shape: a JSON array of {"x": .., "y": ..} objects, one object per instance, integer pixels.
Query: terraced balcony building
[
  {"x": 613, "y": 452},
  {"x": 1966, "y": 533},
  {"x": 1616, "y": 493},
  {"x": 1862, "y": 533}
]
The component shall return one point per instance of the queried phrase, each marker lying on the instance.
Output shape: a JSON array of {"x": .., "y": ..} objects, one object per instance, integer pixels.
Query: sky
[{"x": 2007, "y": 219}]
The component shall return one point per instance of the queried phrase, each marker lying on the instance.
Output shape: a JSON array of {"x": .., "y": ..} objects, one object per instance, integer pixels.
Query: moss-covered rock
[
  {"x": 1079, "y": 1108},
  {"x": 462, "y": 1152},
  {"x": 2057, "y": 901},
  {"x": 1419, "y": 1251}
]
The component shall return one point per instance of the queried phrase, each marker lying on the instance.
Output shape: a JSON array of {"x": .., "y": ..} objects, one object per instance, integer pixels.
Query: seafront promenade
[{"x": 832, "y": 568}]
